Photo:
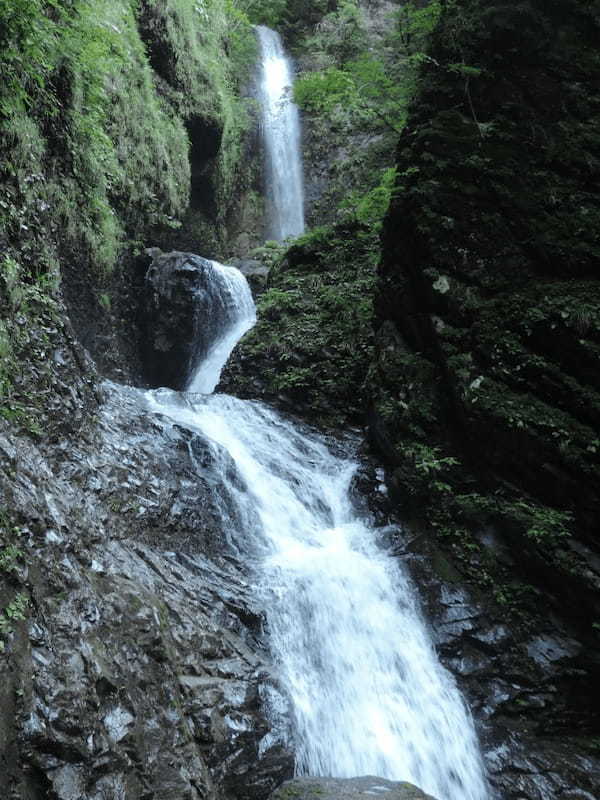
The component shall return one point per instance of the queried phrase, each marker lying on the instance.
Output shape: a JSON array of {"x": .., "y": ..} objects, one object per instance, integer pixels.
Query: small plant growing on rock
[{"x": 14, "y": 612}]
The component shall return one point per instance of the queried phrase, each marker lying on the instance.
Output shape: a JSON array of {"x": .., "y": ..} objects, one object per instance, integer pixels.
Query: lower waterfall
[{"x": 351, "y": 649}]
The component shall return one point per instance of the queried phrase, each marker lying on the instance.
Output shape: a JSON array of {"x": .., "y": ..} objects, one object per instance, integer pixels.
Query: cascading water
[
  {"x": 281, "y": 134},
  {"x": 238, "y": 314},
  {"x": 368, "y": 694},
  {"x": 367, "y": 691}
]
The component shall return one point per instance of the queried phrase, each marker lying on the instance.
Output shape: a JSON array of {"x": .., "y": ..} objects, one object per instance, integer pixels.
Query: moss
[
  {"x": 488, "y": 296},
  {"x": 312, "y": 344},
  {"x": 105, "y": 141}
]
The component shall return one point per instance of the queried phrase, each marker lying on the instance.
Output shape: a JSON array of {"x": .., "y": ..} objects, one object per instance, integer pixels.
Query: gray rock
[
  {"x": 365, "y": 788},
  {"x": 183, "y": 316},
  {"x": 140, "y": 671},
  {"x": 255, "y": 272}
]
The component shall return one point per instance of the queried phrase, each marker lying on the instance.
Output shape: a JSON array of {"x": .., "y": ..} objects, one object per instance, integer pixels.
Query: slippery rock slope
[{"x": 137, "y": 671}]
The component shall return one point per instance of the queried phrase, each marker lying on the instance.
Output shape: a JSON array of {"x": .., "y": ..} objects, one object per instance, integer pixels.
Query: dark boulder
[
  {"x": 255, "y": 272},
  {"x": 183, "y": 316}
]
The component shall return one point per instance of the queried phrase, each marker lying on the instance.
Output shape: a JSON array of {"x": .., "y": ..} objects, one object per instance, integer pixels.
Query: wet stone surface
[
  {"x": 528, "y": 683},
  {"x": 140, "y": 671}
]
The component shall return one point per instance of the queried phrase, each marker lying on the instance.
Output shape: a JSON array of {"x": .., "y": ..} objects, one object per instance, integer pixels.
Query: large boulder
[
  {"x": 348, "y": 789},
  {"x": 183, "y": 316}
]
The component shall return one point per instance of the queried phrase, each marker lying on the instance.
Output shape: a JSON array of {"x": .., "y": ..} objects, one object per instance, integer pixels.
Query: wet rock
[
  {"x": 348, "y": 789},
  {"x": 255, "y": 272},
  {"x": 546, "y": 649},
  {"x": 140, "y": 669}
]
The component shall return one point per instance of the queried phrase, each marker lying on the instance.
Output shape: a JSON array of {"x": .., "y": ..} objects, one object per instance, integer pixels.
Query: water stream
[
  {"x": 238, "y": 314},
  {"x": 281, "y": 137},
  {"x": 368, "y": 693}
]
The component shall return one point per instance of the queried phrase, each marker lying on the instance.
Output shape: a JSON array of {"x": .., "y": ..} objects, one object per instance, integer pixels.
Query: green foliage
[
  {"x": 313, "y": 339},
  {"x": 374, "y": 89},
  {"x": 363, "y": 77},
  {"x": 363, "y": 89},
  {"x": 370, "y": 208},
  {"x": 93, "y": 155},
  {"x": 9, "y": 557},
  {"x": 341, "y": 35},
  {"x": 270, "y": 253},
  {"x": 23, "y": 304},
  {"x": 289, "y": 16},
  {"x": 514, "y": 595},
  {"x": 28, "y": 52},
  {"x": 544, "y": 525},
  {"x": 14, "y": 612},
  {"x": 104, "y": 300},
  {"x": 427, "y": 460},
  {"x": 265, "y": 12}
]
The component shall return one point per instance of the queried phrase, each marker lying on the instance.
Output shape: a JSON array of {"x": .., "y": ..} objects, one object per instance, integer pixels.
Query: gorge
[{"x": 317, "y": 559}]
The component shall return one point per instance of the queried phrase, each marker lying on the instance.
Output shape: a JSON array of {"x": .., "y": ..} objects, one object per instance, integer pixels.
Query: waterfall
[
  {"x": 238, "y": 314},
  {"x": 281, "y": 135},
  {"x": 367, "y": 691}
]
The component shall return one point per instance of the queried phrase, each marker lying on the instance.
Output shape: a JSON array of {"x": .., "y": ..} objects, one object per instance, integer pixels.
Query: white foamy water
[
  {"x": 369, "y": 695},
  {"x": 281, "y": 135},
  {"x": 239, "y": 315}
]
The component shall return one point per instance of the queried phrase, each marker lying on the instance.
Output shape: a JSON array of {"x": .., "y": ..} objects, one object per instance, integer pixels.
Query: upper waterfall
[{"x": 281, "y": 134}]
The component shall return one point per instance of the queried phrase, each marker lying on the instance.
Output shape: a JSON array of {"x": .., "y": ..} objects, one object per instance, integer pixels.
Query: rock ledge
[{"x": 348, "y": 789}]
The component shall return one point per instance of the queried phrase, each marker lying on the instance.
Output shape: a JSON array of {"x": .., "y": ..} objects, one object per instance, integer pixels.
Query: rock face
[
  {"x": 484, "y": 389},
  {"x": 139, "y": 669},
  {"x": 488, "y": 327},
  {"x": 347, "y": 789},
  {"x": 255, "y": 272},
  {"x": 184, "y": 316},
  {"x": 489, "y": 332}
]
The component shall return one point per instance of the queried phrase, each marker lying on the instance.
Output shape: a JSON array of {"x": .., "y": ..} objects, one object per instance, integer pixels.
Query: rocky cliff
[
  {"x": 485, "y": 393},
  {"x": 131, "y": 661},
  {"x": 485, "y": 385},
  {"x": 123, "y": 125}
]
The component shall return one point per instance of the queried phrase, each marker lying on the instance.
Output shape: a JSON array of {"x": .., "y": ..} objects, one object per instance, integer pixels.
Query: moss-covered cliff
[
  {"x": 122, "y": 127},
  {"x": 311, "y": 347},
  {"x": 485, "y": 392}
]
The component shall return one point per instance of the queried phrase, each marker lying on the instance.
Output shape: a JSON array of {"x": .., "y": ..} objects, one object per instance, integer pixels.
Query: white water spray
[
  {"x": 368, "y": 693},
  {"x": 240, "y": 315},
  {"x": 281, "y": 133}
]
